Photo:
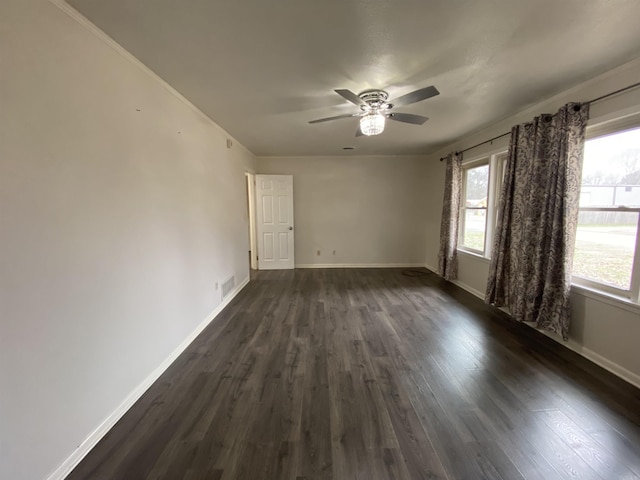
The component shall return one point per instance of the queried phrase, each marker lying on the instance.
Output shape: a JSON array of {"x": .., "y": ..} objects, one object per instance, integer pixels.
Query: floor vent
[{"x": 228, "y": 285}]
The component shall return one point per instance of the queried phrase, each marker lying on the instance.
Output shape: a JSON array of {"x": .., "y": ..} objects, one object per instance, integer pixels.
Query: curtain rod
[{"x": 611, "y": 94}]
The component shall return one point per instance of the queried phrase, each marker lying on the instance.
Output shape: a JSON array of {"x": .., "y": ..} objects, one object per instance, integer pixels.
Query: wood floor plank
[
  {"x": 597, "y": 457},
  {"x": 372, "y": 374},
  {"x": 626, "y": 453},
  {"x": 522, "y": 455}
]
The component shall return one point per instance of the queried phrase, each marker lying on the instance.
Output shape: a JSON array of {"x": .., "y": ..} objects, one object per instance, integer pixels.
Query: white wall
[
  {"x": 115, "y": 225},
  {"x": 606, "y": 332},
  {"x": 368, "y": 209}
]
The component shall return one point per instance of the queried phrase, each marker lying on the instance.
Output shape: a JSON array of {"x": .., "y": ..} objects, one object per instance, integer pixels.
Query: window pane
[
  {"x": 611, "y": 171},
  {"x": 475, "y": 207},
  {"x": 475, "y": 222},
  {"x": 477, "y": 186},
  {"x": 605, "y": 245}
]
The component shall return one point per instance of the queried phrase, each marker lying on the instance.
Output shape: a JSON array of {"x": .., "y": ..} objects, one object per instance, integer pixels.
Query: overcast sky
[{"x": 604, "y": 154}]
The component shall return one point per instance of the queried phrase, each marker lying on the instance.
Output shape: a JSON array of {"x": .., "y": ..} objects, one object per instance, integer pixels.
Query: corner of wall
[{"x": 94, "y": 437}]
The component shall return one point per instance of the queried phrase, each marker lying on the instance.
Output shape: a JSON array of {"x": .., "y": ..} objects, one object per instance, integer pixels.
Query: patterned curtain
[
  {"x": 448, "y": 255},
  {"x": 532, "y": 256}
]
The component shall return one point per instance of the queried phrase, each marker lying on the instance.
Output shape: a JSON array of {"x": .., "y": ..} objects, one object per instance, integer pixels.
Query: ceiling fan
[{"x": 374, "y": 108}]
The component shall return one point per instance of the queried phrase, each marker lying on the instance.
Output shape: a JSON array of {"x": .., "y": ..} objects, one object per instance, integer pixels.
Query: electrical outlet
[
  {"x": 216, "y": 286},
  {"x": 318, "y": 253},
  {"x": 334, "y": 252}
]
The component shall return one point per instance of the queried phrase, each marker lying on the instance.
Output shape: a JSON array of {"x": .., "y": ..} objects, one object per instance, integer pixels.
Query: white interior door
[{"x": 274, "y": 195}]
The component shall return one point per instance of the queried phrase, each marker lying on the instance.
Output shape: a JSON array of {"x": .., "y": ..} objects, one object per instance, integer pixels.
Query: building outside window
[{"x": 606, "y": 250}]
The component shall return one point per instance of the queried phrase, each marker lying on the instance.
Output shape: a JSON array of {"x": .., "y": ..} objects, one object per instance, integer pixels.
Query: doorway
[{"x": 251, "y": 213}]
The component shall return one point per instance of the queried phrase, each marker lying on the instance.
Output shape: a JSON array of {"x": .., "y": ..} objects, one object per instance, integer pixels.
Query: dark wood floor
[{"x": 373, "y": 374}]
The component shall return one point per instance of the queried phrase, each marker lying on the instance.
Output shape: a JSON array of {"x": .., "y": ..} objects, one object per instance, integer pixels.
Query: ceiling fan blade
[
  {"x": 337, "y": 117},
  {"x": 352, "y": 97},
  {"x": 415, "y": 96},
  {"x": 408, "y": 118}
]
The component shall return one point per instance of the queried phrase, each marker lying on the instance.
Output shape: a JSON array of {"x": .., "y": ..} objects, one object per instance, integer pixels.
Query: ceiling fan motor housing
[{"x": 375, "y": 99}]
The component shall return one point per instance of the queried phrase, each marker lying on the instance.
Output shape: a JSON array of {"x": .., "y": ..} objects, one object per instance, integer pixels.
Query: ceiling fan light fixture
[{"x": 372, "y": 124}]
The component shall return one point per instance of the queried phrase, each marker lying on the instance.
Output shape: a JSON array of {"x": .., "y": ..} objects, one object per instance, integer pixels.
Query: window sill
[
  {"x": 605, "y": 297},
  {"x": 592, "y": 293},
  {"x": 474, "y": 255}
]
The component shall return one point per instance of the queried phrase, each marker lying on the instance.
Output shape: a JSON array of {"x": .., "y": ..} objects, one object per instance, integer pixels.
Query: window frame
[
  {"x": 466, "y": 167},
  {"x": 594, "y": 131},
  {"x": 496, "y": 161}
]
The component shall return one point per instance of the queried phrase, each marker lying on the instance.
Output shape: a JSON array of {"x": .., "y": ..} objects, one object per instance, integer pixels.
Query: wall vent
[{"x": 228, "y": 285}]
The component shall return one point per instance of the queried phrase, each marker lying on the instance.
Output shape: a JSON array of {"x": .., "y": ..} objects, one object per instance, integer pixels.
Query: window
[
  {"x": 481, "y": 180},
  {"x": 473, "y": 218},
  {"x": 606, "y": 251}
]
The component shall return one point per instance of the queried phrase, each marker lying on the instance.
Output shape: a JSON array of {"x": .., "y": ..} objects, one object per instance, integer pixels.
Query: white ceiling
[{"x": 263, "y": 68}]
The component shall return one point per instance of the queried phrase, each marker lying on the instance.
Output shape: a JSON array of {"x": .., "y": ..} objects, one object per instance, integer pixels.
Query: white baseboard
[
  {"x": 469, "y": 289},
  {"x": 617, "y": 370},
  {"x": 359, "y": 265},
  {"x": 94, "y": 437},
  {"x": 74, "y": 459}
]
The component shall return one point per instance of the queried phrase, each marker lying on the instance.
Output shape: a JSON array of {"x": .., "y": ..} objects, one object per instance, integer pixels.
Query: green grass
[
  {"x": 596, "y": 258},
  {"x": 604, "y": 263},
  {"x": 604, "y": 253},
  {"x": 474, "y": 240}
]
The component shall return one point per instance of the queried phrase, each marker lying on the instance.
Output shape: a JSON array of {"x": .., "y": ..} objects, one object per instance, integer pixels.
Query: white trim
[
  {"x": 600, "y": 287},
  {"x": 95, "y": 30},
  {"x": 612, "y": 367},
  {"x": 251, "y": 204},
  {"x": 635, "y": 268},
  {"x": 617, "y": 121},
  {"x": 94, "y": 437},
  {"x": 604, "y": 297},
  {"x": 596, "y": 358},
  {"x": 469, "y": 289},
  {"x": 477, "y": 161},
  {"x": 359, "y": 265},
  {"x": 469, "y": 250},
  {"x": 475, "y": 254},
  {"x": 430, "y": 268}
]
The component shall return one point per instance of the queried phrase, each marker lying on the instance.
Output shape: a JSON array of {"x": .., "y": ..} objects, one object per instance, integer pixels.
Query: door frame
[{"x": 251, "y": 209}]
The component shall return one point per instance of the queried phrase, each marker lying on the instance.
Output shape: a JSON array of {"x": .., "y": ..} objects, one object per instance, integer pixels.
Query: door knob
[{"x": 290, "y": 228}]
